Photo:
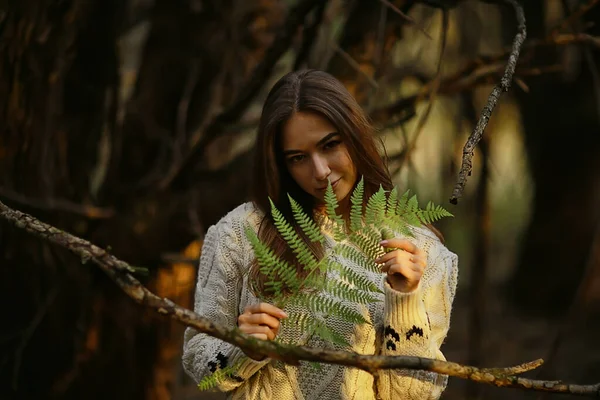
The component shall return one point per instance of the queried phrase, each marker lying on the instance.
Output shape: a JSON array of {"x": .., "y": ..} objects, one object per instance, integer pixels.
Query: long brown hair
[{"x": 316, "y": 92}]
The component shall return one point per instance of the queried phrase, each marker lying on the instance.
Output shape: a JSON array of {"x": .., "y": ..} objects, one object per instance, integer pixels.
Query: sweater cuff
[
  {"x": 247, "y": 366},
  {"x": 404, "y": 310}
]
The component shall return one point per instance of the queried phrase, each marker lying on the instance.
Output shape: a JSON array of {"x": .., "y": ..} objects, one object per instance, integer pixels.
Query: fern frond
[
  {"x": 279, "y": 272},
  {"x": 213, "y": 380},
  {"x": 397, "y": 224},
  {"x": 308, "y": 226},
  {"x": 327, "y": 333},
  {"x": 328, "y": 306},
  {"x": 359, "y": 257},
  {"x": 305, "y": 323},
  {"x": 303, "y": 254},
  {"x": 367, "y": 243},
  {"x": 402, "y": 202},
  {"x": 376, "y": 208},
  {"x": 356, "y": 211},
  {"x": 331, "y": 204},
  {"x": 343, "y": 290},
  {"x": 433, "y": 213},
  {"x": 361, "y": 282},
  {"x": 392, "y": 202}
]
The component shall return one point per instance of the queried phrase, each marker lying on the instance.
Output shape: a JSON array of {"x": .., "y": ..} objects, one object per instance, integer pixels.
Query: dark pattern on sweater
[
  {"x": 415, "y": 330},
  {"x": 390, "y": 345},
  {"x": 220, "y": 363},
  {"x": 391, "y": 332}
]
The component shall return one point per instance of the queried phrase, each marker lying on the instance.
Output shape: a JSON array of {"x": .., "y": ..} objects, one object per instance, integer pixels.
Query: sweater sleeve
[
  {"x": 416, "y": 324},
  {"x": 217, "y": 298}
]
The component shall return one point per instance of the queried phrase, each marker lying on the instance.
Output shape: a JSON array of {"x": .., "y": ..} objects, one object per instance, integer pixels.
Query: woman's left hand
[{"x": 404, "y": 265}]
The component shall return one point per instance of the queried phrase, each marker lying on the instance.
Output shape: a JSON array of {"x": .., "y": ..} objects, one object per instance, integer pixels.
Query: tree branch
[
  {"x": 244, "y": 97},
  {"x": 486, "y": 113},
  {"x": 118, "y": 270}
]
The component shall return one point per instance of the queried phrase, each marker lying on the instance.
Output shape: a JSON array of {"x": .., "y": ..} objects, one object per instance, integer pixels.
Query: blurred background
[{"x": 131, "y": 123}]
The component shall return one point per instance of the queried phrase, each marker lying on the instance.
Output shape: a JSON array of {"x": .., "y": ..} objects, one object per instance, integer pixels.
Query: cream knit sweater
[{"x": 413, "y": 324}]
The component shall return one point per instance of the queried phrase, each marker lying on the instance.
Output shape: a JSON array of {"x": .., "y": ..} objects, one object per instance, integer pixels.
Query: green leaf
[
  {"x": 375, "y": 212},
  {"x": 356, "y": 211},
  {"x": 308, "y": 226},
  {"x": 303, "y": 253}
]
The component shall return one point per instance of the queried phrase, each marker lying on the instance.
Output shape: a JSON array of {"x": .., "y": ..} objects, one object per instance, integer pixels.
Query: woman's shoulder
[{"x": 236, "y": 220}]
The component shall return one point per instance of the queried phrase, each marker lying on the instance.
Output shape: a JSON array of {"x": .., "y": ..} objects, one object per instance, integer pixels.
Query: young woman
[{"x": 313, "y": 132}]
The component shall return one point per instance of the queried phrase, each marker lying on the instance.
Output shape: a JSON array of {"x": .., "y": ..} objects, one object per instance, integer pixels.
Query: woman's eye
[
  {"x": 295, "y": 159},
  {"x": 332, "y": 144}
]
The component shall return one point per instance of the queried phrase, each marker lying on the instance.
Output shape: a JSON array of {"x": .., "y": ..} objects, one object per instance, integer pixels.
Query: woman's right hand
[{"x": 261, "y": 321}]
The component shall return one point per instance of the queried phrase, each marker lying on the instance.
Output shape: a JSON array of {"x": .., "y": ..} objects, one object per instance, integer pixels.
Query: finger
[
  {"x": 420, "y": 261},
  {"x": 263, "y": 330},
  {"x": 254, "y": 330},
  {"x": 398, "y": 257},
  {"x": 405, "y": 270},
  {"x": 266, "y": 308},
  {"x": 260, "y": 336},
  {"x": 402, "y": 244},
  {"x": 387, "y": 256},
  {"x": 262, "y": 319}
]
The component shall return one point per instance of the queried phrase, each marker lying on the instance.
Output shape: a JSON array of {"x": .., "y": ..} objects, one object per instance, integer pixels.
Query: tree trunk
[
  {"x": 561, "y": 121},
  {"x": 75, "y": 335}
]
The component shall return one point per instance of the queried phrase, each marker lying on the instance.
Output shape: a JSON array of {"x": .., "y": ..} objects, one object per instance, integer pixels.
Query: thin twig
[
  {"x": 309, "y": 36},
  {"x": 82, "y": 248},
  {"x": 486, "y": 113},
  {"x": 585, "y": 47},
  {"x": 583, "y": 8},
  {"x": 117, "y": 271},
  {"x": 406, "y": 17},
  {"x": 352, "y": 62},
  {"x": 259, "y": 76}
]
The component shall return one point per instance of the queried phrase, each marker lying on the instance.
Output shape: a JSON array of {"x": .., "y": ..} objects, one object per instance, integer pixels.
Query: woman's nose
[{"x": 321, "y": 168}]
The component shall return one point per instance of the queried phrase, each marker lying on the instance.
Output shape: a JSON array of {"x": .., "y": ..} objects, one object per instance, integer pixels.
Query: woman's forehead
[{"x": 304, "y": 129}]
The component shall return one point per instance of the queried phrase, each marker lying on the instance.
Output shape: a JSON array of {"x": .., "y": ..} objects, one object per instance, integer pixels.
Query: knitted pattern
[{"x": 411, "y": 324}]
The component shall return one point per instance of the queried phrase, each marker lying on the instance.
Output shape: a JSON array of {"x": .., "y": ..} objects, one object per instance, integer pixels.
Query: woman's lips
[{"x": 333, "y": 185}]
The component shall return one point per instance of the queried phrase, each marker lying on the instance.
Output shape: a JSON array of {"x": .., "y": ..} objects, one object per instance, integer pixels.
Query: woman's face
[{"x": 314, "y": 154}]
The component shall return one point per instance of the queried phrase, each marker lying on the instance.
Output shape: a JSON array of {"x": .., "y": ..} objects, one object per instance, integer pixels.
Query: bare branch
[
  {"x": 406, "y": 17},
  {"x": 352, "y": 62},
  {"x": 486, "y": 113},
  {"x": 118, "y": 271},
  {"x": 82, "y": 248},
  {"x": 309, "y": 36},
  {"x": 583, "y": 8},
  {"x": 259, "y": 76}
]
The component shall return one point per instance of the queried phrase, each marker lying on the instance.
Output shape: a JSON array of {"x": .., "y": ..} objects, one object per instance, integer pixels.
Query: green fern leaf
[
  {"x": 279, "y": 272},
  {"x": 213, "y": 380},
  {"x": 376, "y": 208},
  {"x": 359, "y": 257},
  {"x": 354, "y": 278},
  {"x": 343, "y": 290},
  {"x": 328, "y": 306},
  {"x": 303, "y": 254},
  {"x": 356, "y": 210},
  {"x": 306, "y": 223},
  {"x": 331, "y": 204},
  {"x": 392, "y": 202},
  {"x": 402, "y": 202}
]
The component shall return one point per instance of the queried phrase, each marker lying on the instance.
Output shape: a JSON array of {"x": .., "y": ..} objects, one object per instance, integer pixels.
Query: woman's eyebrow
[{"x": 324, "y": 140}]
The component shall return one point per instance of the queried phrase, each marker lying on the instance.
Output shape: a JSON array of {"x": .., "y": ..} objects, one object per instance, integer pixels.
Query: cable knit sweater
[{"x": 413, "y": 324}]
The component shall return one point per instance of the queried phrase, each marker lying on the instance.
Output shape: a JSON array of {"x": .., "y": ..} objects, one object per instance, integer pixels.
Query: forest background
[{"x": 131, "y": 123}]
